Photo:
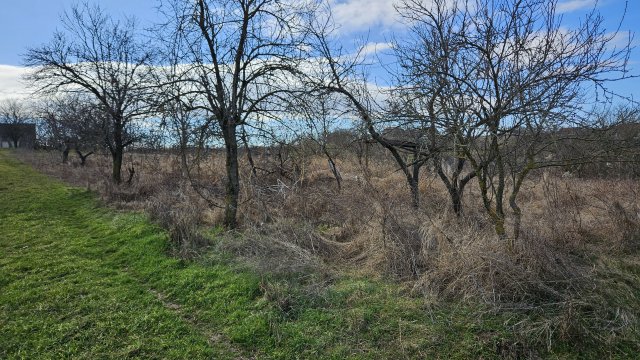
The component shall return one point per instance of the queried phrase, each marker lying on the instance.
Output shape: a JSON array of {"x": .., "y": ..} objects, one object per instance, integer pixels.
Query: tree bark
[
  {"x": 334, "y": 170},
  {"x": 184, "y": 167},
  {"x": 415, "y": 193},
  {"x": 83, "y": 157},
  {"x": 65, "y": 154},
  {"x": 249, "y": 155},
  {"x": 117, "y": 156},
  {"x": 455, "y": 185},
  {"x": 117, "y": 151},
  {"x": 456, "y": 200},
  {"x": 415, "y": 181},
  {"x": 233, "y": 178}
]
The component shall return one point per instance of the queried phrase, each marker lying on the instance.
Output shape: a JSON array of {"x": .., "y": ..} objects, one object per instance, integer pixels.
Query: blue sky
[{"x": 29, "y": 23}]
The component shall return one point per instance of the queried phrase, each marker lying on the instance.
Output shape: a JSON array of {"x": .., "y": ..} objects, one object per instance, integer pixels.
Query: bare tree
[
  {"x": 511, "y": 72},
  {"x": 188, "y": 126},
  {"x": 342, "y": 74},
  {"x": 104, "y": 58},
  {"x": 321, "y": 114},
  {"x": 241, "y": 54},
  {"x": 429, "y": 101},
  {"x": 73, "y": 122}
]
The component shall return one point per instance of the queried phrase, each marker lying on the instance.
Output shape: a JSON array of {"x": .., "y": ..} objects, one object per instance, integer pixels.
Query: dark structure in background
[{"x": 17, "y": 136}]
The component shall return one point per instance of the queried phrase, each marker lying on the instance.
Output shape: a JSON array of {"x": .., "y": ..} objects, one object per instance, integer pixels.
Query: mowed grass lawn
[
  {"x": 82, "y": 281},
  {"x": 79, "y": 280}
]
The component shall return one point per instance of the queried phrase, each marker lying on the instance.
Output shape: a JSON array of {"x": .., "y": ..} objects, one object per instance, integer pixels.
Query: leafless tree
[
  {"x": 103, "y": 57},
  {"x": 241, "y": 55},
  {"x": 73, "y": 122},
  {"x": 320, "y": 115},
  {"x": 429, "y": 101},
  {"x": 342, "y": 74},
  {"x": 186, "y": 125},
  {"x": 512, "y": 72}
]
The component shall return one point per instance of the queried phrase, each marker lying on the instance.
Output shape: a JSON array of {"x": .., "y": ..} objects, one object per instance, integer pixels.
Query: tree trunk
[
  {"x": 233, "y": 178},
  {"x": 517, "y": 219},
  {"x": 83, "y": 158},
  {"x": 415, "y": 181},
  {"x": 415, "y": 193},
  {"x": 65, "y": 154},
  {"x": 117, "y": 151},
  {"x": 499, "y": 227},
  {"x": 184, "y": 166},
  {"x": 249, "y": 155},
  {"x": 334, "y": 170},
  {"x": 513, "y": 198},
  {"x": 132, "y": 172},
  {"x": 117, "y": 156},
  {"x": 333, "y": 167},
  {"x": 456, "y": 192},
  {"x": 456, "y": 200}
]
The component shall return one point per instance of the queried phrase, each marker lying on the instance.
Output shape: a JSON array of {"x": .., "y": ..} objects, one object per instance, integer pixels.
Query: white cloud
[
  {"x": 11, "y": 84},
  {"x": 574, "y": 5},
  {"x": 358, "y": 15},
  {"x": 373, "y": 48},
  {"x": 622, "y": 39},
  {"x": 362, "y": 15}
]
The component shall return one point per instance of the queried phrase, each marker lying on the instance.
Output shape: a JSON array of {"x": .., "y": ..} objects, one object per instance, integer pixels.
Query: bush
[{"x": 182, "y": 217}]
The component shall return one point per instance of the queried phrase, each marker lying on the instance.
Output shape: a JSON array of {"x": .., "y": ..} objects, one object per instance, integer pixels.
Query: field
[{"x": 143, "y": 271}]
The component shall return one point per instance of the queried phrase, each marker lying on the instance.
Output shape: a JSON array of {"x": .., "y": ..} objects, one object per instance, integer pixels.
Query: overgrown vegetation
[
  {"x": 572, "y": 286},
  {"x": 486, "y": 204},
  {"x": 81, "y": 281}
]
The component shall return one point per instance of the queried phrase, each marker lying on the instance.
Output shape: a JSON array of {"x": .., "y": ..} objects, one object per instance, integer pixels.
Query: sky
[{"x": 31, "y": 23}]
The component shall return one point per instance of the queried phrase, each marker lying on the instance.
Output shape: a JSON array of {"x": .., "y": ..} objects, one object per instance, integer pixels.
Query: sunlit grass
[{"x": 83, "y": 281}]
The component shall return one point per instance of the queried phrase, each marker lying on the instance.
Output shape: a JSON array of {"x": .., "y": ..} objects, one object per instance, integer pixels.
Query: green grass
[{"x": 78, "y": 280}]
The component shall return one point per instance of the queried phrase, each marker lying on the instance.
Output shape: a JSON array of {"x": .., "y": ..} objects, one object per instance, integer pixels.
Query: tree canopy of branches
[
  {"x": 319, "y": 115},
  {"x": 495, "y": 76},
  {"x": 104, "y": 58},
  {"x": 341, "y": 74},
  {"x": 74, "y": 122},
  {"x": 239, "y": 58}
]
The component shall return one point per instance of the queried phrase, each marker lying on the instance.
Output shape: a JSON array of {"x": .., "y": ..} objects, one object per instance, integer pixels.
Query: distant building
[{"x": 17, "y": 135}]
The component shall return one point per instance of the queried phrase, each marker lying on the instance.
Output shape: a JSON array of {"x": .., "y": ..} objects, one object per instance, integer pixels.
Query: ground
[{"x": 79, "y": 280}]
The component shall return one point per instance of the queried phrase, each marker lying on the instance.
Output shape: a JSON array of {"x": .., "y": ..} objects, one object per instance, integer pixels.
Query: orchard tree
[
  {"x": 343, "y": 75},
  {"x": 497, "y": 77},
  {"x": 241, "y": 56},
  {"x": 104, "y": 58},
  {"x": 73, "y": 122}
]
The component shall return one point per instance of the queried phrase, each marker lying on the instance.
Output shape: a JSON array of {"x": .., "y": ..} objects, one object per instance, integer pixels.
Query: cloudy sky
[{"x": 30, "y": 23}]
